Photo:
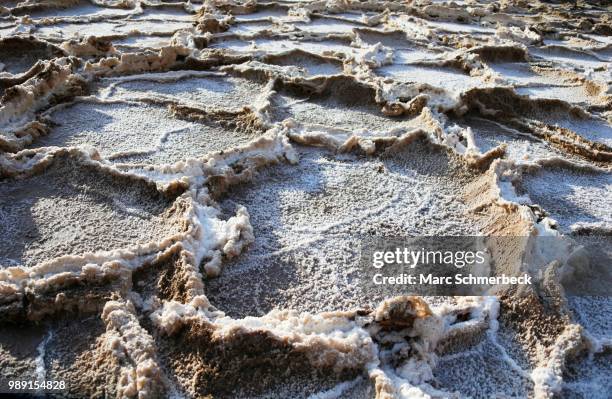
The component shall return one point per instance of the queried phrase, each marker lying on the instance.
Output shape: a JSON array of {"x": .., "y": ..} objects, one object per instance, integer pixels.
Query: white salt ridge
[
  {"x": 41, "y": 369},
  {"x": 338, "y": 390},
  {"x": 140, "y": 375}
]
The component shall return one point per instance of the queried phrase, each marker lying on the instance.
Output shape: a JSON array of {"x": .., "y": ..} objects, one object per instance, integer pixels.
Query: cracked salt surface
[
  {"x": 315, "y": 218},
  {"x": 185, "y": 187},
  {"x": 111, "y": 127},
  {"x": 134, "y": 133}
]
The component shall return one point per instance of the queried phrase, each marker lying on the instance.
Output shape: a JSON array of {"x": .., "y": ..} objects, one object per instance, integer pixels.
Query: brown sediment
[
  {"x": 90, "y": 46},
  {"x": 412, "y": 108},
  {"x": 504, "y": 102},
  {"x": 511, "y": 53},
  {"x": 570, "y": 142},
  {"x": 207, "y": 364},
  {"x": 18, "y": 352},
  {"x": 528, "y": 114},
  {"x": 172, "y": 277},
  {"x": 79, "y": 353},
  {"x": 537, "y": 325},
  {"x": 244, "y": 120},
  {"x": 401, "y": 313}
]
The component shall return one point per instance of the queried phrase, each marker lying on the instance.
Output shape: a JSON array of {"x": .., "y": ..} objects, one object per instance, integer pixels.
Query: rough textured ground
[{"x": 186, "y": 188}]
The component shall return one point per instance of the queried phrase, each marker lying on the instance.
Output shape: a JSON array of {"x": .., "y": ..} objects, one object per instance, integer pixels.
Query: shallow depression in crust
[
  {"x": 18, "y": 54},
  {"x": 309, "y": 221},
  {"x": 520, "y": 146},
  {"x": 571, "y": 196},
  {"x": 307, "y": 62},
  {"x": 133, "y": 132},
  {"x": 452, "y": 80},
  {"x": 71, "y": 208},
  {"x": 353, "y": 108},
  {"x": 327, "y": 26},
  {"x": 111, "y": 28},
  {"x": 281, "y": 45},
  {"x": 207, "y": 92},
  {"x": 111, "y": 127}
]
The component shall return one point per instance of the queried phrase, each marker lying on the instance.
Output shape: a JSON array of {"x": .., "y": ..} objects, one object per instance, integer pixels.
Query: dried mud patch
[
  {"x": 307, "y": 62},
  {"x": 492, "y": 376},
  {"x": 208, "y": 91},
  {"x": 586, "y": 375}
]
